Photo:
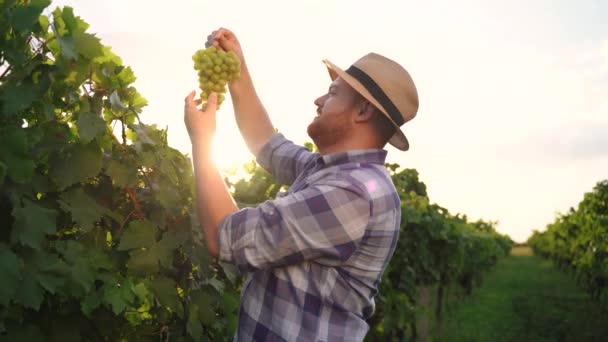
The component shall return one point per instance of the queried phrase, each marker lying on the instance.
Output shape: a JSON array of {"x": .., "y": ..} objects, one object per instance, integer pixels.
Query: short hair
[{"x": 383, "y": 125}]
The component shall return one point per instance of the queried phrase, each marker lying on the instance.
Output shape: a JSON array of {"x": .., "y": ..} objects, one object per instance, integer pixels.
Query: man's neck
[{"x": 359, "y": 144}]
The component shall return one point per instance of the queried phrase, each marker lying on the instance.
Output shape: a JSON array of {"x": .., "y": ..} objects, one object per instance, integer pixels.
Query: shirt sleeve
[
  {"x": 322, "y": 221},
  {"x": 284, "y": 159}
]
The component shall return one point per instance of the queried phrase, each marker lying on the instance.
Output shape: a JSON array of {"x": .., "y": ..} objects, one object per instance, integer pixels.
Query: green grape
[
  {"x": 232, "y": 55},
  {"x": 203, "y": 66},
  {"x": 215, "y": 69}
]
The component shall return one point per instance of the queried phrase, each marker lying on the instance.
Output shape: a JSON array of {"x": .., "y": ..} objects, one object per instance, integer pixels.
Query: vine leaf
[
  {"x": 122, "y": 175},
  {"x": 88, "y": 45},
  {"x": 84, "y": 210},
  {"x": 91, "y": 302},
  {"x": 165, "y": 290},
  {"x": 10, "y": 272},
  {"x": 90, "y": 126},
  {"x": 68, "y": 50},
  {"x": 45, "y": 272},
  {"x": 144, "y": 261},
  {"x": 194, "y": 326},
  {"x": 32, "y": 224},
  {"x": 19, "y": 166},
  {"x": 138, "y": 234},
  {"x": 83, "y": 161},
  {"x": 115, "y": 101},
  {"x": 17, "y": 96},
  {"x": 118, "y": 296},
  {"x": 205, "y": 303},
  {"x": 25, "y": 17},
  {"x": 231, "y": 271},
  {"x": 85, "y": 265}
]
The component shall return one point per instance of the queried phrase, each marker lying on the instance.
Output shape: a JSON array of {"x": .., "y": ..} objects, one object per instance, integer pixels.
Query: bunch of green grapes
[{"x": 216, "y": 68}]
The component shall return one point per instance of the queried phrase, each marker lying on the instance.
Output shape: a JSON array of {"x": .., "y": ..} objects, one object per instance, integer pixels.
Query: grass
[{"x": 525, "y": 298}]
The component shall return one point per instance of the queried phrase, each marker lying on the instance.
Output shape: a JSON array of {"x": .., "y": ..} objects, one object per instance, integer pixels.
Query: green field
[{"x": 525, "y": 298}]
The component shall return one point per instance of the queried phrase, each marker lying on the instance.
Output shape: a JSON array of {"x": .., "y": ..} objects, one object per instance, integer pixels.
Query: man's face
[{"x": 334, "y": 113}]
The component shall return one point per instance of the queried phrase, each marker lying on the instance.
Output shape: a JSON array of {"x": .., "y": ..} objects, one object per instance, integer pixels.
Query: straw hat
[{"x": 385, "y": 84}]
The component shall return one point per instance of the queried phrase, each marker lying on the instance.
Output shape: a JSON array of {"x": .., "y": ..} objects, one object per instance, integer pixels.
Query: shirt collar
[{"x": 373, "y": 156}]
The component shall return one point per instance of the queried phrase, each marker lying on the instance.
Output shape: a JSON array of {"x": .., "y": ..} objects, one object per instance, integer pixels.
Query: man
[{"x": 315, "y": 254}]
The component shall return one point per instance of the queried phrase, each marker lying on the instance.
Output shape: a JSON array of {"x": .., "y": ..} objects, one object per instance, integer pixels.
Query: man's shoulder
[{"x": 370, "y": 180}]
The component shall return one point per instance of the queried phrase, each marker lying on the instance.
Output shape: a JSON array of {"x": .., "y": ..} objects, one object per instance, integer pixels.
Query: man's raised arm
[{"x": 251, "y": 117}]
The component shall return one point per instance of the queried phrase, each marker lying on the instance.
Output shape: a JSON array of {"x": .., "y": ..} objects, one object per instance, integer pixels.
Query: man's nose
[{"x": 319, "y": 101}]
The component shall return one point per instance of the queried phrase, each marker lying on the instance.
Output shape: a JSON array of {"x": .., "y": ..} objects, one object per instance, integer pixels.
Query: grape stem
[
  {"x": 137, "y": 209},
  {"x": 126, "y": 219},
  {"x": 124, "y": 134}
]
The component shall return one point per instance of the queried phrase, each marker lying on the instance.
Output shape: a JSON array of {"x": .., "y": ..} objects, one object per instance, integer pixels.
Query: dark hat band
[{"x": 377, "y": 92}]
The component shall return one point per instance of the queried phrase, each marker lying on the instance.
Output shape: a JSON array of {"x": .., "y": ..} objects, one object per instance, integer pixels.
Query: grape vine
[
  {"x": 99, "y": 240},
  {"x": 577, "y": 241}
]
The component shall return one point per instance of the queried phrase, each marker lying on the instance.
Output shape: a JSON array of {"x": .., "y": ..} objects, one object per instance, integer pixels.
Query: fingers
[
  {"x": 221, "y": 34},
  {"x": 189, "y": 98},
  {"x": 211, "y": 105},
  {"x": 226, "y": 33},
  {"x": 212, "y": 39},
  {"x": 191, "y": 104}
]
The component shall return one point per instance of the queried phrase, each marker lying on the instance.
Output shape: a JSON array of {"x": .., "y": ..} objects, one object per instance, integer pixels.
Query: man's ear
[{"x": 366, "y": 112}]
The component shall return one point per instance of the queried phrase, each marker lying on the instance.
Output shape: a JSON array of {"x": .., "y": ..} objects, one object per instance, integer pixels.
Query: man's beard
[{"x": 326, "y": 134}]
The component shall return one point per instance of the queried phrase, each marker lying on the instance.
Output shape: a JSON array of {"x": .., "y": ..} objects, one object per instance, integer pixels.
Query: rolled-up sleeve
[
  {"x": 284, "y": 159},
  {"x": 323, "y": 221}
]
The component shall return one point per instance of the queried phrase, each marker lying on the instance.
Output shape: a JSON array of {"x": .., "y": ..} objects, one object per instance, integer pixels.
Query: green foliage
[
  {"x": 578, "y": 241},
  {"x": 258, "y": 187},
  {"x": 98, "y": 238}
]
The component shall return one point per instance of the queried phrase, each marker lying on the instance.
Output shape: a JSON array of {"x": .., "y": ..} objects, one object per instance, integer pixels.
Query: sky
[{"x": 513, "y": 118}]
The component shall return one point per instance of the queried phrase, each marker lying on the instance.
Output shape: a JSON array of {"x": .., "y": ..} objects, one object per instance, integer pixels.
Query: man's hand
[
  {"x": 226, "y": 40},
  {"x": 200, "y": 123},
  {"x": 250, "y": 114}
]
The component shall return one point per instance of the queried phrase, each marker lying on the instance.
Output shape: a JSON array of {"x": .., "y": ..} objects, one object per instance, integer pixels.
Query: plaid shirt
[{"x": 315, "y": 254}]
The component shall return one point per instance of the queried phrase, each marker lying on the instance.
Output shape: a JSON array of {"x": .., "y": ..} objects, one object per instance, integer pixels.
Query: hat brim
[{"x": 398, "y": 140}]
